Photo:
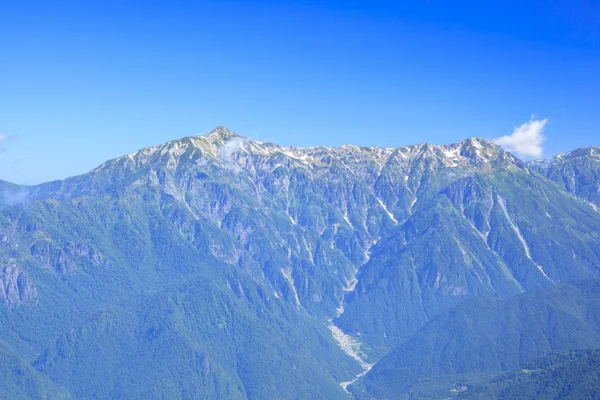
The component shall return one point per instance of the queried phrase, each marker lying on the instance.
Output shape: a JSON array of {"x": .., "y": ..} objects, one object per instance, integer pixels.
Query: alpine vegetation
[{"x": 218, "y": 266}]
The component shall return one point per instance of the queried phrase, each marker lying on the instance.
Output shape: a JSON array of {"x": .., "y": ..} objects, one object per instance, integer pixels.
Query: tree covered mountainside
[
  {"x": 486, "y": 335},
  {"x": 221, "y": 267},
  {"x": 572, "y": 375}
]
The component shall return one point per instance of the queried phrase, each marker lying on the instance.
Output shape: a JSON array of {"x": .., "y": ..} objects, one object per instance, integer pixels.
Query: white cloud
[
  {"x": 225, "y": 153},
  {"x": 526, "y": 140},
  {"x": 15, "y": 197},
  {"x": 3, "y": 137}
]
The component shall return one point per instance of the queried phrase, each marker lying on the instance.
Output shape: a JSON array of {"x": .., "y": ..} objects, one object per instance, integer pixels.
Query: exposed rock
[{"x": 15, "y": 288}]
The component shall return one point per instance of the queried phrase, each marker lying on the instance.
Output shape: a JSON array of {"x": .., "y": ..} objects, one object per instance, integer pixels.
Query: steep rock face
[
  {"x": 578, "y": 172},
  {"x": 376, "y": 241},
  {"x": 303, "y": 220},
  {"x": 496, "y": 233},
  {"x": 317, "y": 210},
  {"x": 15, "y": 288}
]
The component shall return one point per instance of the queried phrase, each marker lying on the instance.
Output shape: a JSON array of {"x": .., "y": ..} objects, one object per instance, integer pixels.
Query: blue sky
[{"x": 85, "y": 81}]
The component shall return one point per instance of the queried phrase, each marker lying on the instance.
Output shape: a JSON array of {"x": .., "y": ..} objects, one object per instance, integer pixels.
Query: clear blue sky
[{"x": 85, "y": 81}]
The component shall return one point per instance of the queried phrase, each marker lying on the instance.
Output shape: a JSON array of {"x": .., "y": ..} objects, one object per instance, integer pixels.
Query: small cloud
[
  {"x": 18, "y": 196},
  {"x": 5, "y": 138},
  {"x": 526, "y": 140},
  {"x": 225, "y": 153}
]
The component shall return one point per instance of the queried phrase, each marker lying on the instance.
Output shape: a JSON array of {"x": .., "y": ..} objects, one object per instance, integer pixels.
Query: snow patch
[
  {"x": 287, "y": 273},
  {"x": 347, "y": 220},
  {"x": 292, "y": 219},
  {"x": 541, "y": 269},
  {"x": 515, "y": 228},
  {"x": 412, "y": 204},
  {"x": 386, "y": 210}
]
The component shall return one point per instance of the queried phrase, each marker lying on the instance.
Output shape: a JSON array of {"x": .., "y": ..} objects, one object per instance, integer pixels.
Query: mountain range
[{"x": 222, "y": 267}]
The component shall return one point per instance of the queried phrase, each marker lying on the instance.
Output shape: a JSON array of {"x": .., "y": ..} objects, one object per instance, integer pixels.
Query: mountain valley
[{"x": 217, "y": 266}]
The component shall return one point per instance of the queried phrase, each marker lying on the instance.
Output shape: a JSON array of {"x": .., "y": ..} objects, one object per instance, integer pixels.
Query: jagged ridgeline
[{"x": 221, "y": 267}]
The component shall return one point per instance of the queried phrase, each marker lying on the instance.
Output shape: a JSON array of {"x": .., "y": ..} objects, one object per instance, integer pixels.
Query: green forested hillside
[
  {"x": 222, "y": 267},
  {"x": 150, "y": 314},
  {"x": 198, "y": 340},
  {"x": 20, "y": 380},
  {"x": 492, "y": 234},
  {"x": 486, "y": 335},
  {"x": 565, "y": 375}
]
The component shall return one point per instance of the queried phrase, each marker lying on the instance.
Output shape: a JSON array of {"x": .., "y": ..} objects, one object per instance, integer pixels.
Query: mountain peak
[
  {"x": 226, "y": 148},
  {"x": 580, "y": 153},
  {"x": 221, "y": 133},
  {"x": 479, "y": 143}
]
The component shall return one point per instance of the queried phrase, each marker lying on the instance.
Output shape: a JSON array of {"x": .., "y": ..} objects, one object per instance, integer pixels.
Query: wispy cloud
[
  {"x": 6, "y": 137},
  {"x": 3, "y": 139},
  {"x": 526, "y": 140},
  {"x": 225, "y": 153},
  {"x": 13, "y": 197}
]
